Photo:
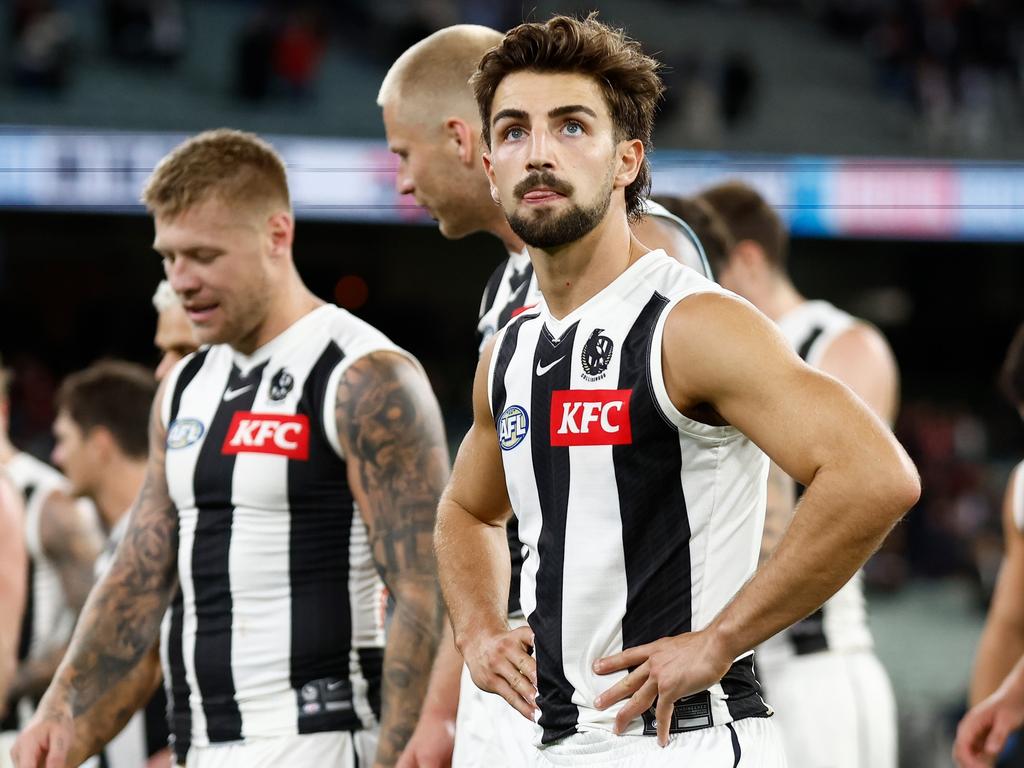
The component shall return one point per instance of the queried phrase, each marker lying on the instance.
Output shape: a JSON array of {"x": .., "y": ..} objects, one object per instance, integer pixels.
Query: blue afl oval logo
[
  {"x": 183, "y": 432},
  {"x": 512, "y": 427}
]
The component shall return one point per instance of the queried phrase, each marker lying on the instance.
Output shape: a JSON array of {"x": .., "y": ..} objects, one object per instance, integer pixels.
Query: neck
[
  {"x": 291, "y": 303},
  {"x": 7, "y": 449},
  {"x": 499, "y": 227},
  {"x": 571, "y": 274},
  {"x": 780, "y": 297},
  {"x": 118, "y": 488}
]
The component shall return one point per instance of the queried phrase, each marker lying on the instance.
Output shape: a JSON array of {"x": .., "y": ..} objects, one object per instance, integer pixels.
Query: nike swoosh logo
[
  {"x": 231, "y": 394},
  {"x": 542, "y": 369},
  {"x": 333, "y": 686}
]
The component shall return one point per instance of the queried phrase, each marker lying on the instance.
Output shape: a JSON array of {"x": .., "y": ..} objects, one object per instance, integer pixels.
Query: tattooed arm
[
  {"x": 390, "y": 429},
  {"x": 71, "y": 538},
  {"x": 120, "y": 620},
  {"x": 13, "y": 567}
]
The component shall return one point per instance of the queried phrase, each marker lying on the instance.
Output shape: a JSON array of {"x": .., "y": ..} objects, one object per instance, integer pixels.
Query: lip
[
  {"x": 541, "y": 195},
  {"x": 199, "y": 314}
]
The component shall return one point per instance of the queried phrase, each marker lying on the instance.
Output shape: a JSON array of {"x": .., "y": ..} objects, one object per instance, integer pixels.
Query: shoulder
[
  {"x": 859, "y": 346},
  {"x": 1015, "y": 498}
]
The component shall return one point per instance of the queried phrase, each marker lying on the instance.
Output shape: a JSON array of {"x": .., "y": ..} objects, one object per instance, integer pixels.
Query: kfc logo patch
[
  {"x": 268, "y": 433},
  {"x": 590, "y": 417}
]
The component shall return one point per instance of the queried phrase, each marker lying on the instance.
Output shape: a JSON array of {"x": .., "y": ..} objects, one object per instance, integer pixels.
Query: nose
[
  {"x": 57, "y": 456},
  {"x": 182, "y": 276},
  {"x": 540, "y": 157},
  {"x": 403, "y": 182}
]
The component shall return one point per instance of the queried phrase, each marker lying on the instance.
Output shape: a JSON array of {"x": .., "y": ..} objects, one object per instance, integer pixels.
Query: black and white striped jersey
[
  {"x": 47, "y": 621},
  {"x": 639, "y": 523},
  {"x": 841, "y": 624},
  {"x": 280, "y": 629},
  {"x": 512, "y": 289}
]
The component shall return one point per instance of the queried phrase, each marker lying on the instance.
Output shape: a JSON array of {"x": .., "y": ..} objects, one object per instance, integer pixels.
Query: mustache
[{"x": 544, "y": 179}]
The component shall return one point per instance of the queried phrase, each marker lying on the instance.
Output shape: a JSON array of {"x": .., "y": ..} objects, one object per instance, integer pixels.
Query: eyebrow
[{"x": 518, "y": 114}]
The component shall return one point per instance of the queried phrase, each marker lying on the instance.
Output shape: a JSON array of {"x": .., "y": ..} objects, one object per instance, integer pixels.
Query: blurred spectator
[
  {"x": 281, "y": 48},
  {"x": 145, "y": 31},
  {"x": 41, "y": 42}
]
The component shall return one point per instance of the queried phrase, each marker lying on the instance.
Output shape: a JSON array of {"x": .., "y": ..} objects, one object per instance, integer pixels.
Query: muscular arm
[
  {"x": 71, "y": 538},
  {"x": 860, "y": 358},
  {"x": 1002, "y": 640},
  {"x": 13, "y": 567},
  {"x": 390, "y": 428},
  {"x": 859, "y": 480},
  {"x": 121, "y": 618}
]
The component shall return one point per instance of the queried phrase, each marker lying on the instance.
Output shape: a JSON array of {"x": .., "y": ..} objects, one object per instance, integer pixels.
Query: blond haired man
[{"x": 291, "y": 461}]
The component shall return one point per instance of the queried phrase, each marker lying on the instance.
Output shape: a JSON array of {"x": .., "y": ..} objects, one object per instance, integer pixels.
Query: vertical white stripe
[
  {"x": 187, "y": 519},
  {"x": 1017, "y": 501},
  {"x": 366, "y": 593}
]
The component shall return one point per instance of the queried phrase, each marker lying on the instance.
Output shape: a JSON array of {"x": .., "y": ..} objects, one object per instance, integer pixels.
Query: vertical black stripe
[
  {"x": 179, "y": 710},
  {"x": 211, "y": 577},
  {"x": 520, "y": 284},
  {"x": 736, "y": 751},
  {"x": 29, "y": 615},
  {"x": 509, "y": 342},
  {"x": 321, "y": 509},
  {"x": 184, "y": 379},
  {"x": 655, "y": 526},
  {"x": 371, "y": 661},
  {"x": 491, "y": 289},
  {"x": 559, "y": 715},
  {"x": 804, "y": 349}
]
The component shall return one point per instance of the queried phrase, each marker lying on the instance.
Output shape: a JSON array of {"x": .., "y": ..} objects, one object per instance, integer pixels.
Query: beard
[{"x": 546, "y": 229}]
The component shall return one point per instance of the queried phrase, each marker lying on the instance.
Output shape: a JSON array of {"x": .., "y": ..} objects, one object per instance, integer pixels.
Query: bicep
[
  {"x": 722, "y": 352},
  {"x": 13, "y": 558},
  {"x": 1007, "y": 607},
  {"x": 389, "y": 426}
]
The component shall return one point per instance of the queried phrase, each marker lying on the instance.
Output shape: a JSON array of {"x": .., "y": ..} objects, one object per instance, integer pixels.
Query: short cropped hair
[
  {"x": 705, "y": 222},
  {"x": 433, "y": 75},
  {"x": 748, "y": 216},
  {"x": 629, "y": 79},
  {"x": 236, "y": 166},
  {"x": 113, "y": 394},
  {"x": 164, "y": 297},
  {"x": 1011, "y": 377}
]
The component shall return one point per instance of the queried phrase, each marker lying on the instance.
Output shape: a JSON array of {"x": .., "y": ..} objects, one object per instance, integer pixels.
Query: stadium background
[{"x": 890, "y": 134}]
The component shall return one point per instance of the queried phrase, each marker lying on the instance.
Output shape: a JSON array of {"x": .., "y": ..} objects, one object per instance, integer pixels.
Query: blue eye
[
  {"x": 573, "y": 128},
  {"x": 514, "y": 133}
]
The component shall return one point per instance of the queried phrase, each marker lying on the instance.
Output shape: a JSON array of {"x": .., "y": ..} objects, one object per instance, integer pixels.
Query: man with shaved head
[{"x": 433, "y": 125}]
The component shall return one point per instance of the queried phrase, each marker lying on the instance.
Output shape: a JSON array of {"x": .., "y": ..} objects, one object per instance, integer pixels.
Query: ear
[
  {"x": 489, "y": 170},
  {"x": 462, "y": 136},
  {"x": 749, "y": 256},
  {"x": 629, "y": 160},
  {"x": 100, "y": 442},
  {"x": 281, "y": 230}
]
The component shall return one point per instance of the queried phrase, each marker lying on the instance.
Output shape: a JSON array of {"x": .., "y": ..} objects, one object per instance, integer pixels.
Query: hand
[
  {"x": 501, "y": 663},
  {"x": 431, "y": 744},
  {"x": 666, "y": 670},
  {"x": 983, "y": 731},
  {"x": 162, "y": 759},
  {"x": 48, "y": 737}
]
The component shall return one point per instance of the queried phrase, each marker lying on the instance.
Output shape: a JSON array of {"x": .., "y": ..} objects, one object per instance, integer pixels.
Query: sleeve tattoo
[{"x": 390, "y": 427}]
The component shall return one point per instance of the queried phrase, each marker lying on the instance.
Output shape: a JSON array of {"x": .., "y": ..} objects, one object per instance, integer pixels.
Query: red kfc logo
[
  {"x": 590, "y": 417},
  {"x": 268, "y": 433}
]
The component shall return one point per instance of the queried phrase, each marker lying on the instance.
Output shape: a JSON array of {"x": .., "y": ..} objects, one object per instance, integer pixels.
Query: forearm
[
  {"x": 96, "y": 727},
  {"x": 413, "y": 640},
  {"x": 442, "y": 699},
  {"x": 840, "y": 521},
  {"x": 119, "y": 624},
  {"x": 475, "y": 571},
  {"x": 778, "y": 511},
  {"x": 1000, "y": 647}
]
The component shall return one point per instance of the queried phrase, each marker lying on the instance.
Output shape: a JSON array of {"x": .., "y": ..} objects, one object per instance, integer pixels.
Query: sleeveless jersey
[
  {"x": 841, "y": 623},
  {"x": 47, "y": 621},
  {"x": 511, "y": 289},
  {"x": 279, "y": 629},
  {"x": 638, "y": 522}
]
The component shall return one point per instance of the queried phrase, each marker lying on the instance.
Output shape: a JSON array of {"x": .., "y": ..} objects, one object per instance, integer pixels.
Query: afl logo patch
[
  {"x": 597, "y": 354},
  {"x": 183, "y": 432},
  {"x": 512, "y": 427}
]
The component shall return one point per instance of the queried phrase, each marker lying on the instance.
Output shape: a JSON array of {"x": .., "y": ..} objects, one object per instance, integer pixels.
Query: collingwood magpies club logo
[
  {"x": 281, "y": 385},
  {"x": 597, "y": 354}
]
